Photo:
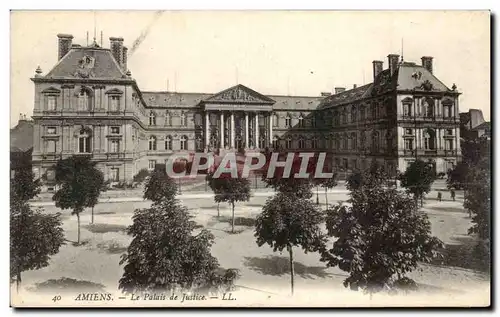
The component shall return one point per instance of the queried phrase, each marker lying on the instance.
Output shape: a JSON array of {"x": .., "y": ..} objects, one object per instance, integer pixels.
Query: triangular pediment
[{"x": 239, "y": 94}]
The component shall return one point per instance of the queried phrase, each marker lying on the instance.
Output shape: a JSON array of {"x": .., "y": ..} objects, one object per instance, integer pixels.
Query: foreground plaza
[{"x": 263, "y": 272}]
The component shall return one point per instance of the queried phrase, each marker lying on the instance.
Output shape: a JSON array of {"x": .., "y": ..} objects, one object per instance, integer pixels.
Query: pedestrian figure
[
  {"x": 452, "y": 192},
  {"x": 440, "y": 196}
]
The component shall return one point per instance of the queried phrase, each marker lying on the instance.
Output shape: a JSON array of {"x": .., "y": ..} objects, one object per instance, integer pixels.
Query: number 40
[{"x": 56, "y": 298}]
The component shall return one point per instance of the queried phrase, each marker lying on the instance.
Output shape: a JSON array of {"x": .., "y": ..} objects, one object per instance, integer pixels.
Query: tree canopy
[
  {"x": 418, "y": 178},
  {"x": 166, "y": 253},
  {"x": 160, "y": 186},
  {"x": 34, "y": 238},
  {"x": 381, "y": 236}
]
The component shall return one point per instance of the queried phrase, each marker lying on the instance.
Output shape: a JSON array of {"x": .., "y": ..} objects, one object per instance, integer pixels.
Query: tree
[
  {"x": 478, "y": 198},
  {"x": 327, "y": 183},
  {"x": 381, "y": 236},
  {"x": 215, "y": 185},
  {"x": 289, "y": 221},
  {"x": 418, "y": 178},
  {"x": 160, "y": 186},
  {"x": 165, "y": 253},
  {"x": 34, "y": 237},
  {"x": 230, "y": 189},
  {"x": 77, "y": 177},
  {"x": 24, "y": 186},
  {"x": 291, "y": 184},
  {"x": 96, "y": 186},
  {"x": 141, "y": 175},
  {"x": 457, "y": 177}
]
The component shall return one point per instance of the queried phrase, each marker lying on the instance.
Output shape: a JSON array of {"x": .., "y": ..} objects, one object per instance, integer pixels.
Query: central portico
[{"x": 238, "y": 118}]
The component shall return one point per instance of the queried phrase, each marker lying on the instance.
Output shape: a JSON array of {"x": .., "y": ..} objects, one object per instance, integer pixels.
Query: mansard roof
[
  {"x": 407, "y": 77},
  {"x": 166, "y": 99},
  {"x": 87, "y": 62}
]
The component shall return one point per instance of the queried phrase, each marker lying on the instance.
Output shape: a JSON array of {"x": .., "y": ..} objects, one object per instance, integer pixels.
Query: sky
[{"x": 273, "y": 52}]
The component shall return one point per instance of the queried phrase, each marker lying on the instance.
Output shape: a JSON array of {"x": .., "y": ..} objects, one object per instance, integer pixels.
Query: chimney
[
  {"x": 326, "y": 94},
  {"x": 378, "y": 66},
  {"x": 116, "y": 45},
  {"x": 338, "y": 90},
  {"x": 393, "y": 62},
  {"x": 124, "y": 58},
  {"x": 354, "y": 86},
  {"x": 427, "y": 63},
  {"x": 64, "y": 45}
]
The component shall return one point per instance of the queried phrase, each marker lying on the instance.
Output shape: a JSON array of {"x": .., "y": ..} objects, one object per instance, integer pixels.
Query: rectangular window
[
  {"x": 115, "y": 130},
  {"x": 345, "y": 163},
  {"x": 114, "y": 174},
  {"x": 288, "y": 122},
  {"x": 51, "y": 130},
  {"x": 152, "y": 164},
  {"x": 449, "y": 144},
  {"x": 407, "y": 110},
  {"x": 114, "y": 103},
  {"x": 115, "y": 146},
  {"x": 51, "y": 146},
  {"x": 51, "y": 103},
  {"x": 408, "y": 144},
  {"x": 409, "y": 131}
]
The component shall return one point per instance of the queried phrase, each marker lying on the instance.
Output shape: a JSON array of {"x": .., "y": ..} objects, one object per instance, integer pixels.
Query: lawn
[{"x": 94, "y": 265}]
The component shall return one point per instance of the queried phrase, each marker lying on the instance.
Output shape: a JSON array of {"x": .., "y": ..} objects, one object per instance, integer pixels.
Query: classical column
[
  {"x": 222, "y": 145},
  {"x": 270, "y": 129},
  {"x": 246, "y": 129},
  {"x": 256, "y": 130},
  {"x": 207, "y": 131},
  {"x": 232, "y": 130}
]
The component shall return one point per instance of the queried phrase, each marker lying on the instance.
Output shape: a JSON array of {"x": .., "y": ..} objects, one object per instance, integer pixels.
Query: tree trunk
[
  {"x": 422, "y": 201},
  {"x": 18, "y": 280},
  {"x": 232, "y": 221},
  {"x": 326, "y": 197},
  {"x": 78, "y": 219},
  {"x": 218, "y": 210},
  {"x": 317, "y": 195},
  {"x": 92, "y": 217},
  {"x": 292, "y": 269}
]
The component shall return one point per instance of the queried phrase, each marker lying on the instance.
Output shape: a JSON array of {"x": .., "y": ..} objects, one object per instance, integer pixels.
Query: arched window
[
  {"x": 301, "y": 143},
  {"x": 84, "y": 141},
  {"x": 430, "y": 139},
  {"x": 275, "y": 120},
  {"x": 429, "y": 107},
  {"x": 84, "y": 100},
  {"x": 314, "y": 142},
  {"x": 288, "y": 121},
  {"x": 275, "y": 142},
  {"x": 152, "y": 143},
  {"x": 301, "y": 121},
  {"x": 184, "y": 144},
  {"x": 152, "y": 118},
  {"x": 168, "y": 142},
  {"x": 199, "y": 143},
  {"x": 288, "y": 143}
]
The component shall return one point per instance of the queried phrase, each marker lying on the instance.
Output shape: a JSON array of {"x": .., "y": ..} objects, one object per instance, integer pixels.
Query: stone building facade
[{"x": 89, "y": 104}]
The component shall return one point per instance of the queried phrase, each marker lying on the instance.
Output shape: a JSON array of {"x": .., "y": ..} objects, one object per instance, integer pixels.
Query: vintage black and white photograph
[{"x": 250, "y": 158}]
